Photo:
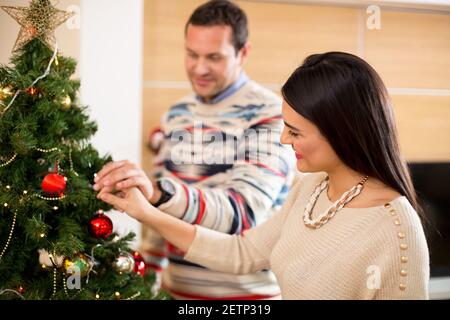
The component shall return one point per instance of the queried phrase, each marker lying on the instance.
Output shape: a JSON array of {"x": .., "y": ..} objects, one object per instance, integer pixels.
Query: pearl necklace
[{"x": 334, "y": 208}]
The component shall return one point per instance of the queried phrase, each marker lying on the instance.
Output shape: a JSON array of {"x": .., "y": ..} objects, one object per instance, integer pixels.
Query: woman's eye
[{"x": 293, "y": 134}]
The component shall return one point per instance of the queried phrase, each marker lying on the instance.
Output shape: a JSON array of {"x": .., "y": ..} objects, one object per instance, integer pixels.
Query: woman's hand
[
  {"x": 123, "y": 175},
  {"x": 130, "y": 200}
]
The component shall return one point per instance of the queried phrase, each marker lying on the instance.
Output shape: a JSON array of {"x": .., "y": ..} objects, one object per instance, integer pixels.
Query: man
[{"x": 221, "y": 164}]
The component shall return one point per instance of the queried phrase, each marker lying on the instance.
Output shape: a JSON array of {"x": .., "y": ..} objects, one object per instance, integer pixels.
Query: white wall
[{"x": 111, "y": 81}]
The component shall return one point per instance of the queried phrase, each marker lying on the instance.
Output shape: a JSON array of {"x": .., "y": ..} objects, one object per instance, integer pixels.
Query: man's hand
[{"x": 121, "y": 175}]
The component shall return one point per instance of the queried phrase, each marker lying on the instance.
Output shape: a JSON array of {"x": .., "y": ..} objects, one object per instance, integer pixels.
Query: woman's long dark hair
[{"x": 346, "y": 99}]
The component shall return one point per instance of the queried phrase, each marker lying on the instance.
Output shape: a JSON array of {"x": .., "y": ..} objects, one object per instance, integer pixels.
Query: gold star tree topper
[{"x": 38, "y": 21}]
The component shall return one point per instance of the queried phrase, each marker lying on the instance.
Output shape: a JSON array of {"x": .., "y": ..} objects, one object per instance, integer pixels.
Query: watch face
[{"x": 167, "y": 186}]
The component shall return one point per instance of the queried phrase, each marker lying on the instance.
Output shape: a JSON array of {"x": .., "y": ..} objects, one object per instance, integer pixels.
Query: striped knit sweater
[
  {"x": 231, "y": 173},
  {"x": 361, "y": 253}
]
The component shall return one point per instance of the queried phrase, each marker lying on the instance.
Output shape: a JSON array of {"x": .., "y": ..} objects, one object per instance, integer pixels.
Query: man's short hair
[{"x": 222, "y": 13}]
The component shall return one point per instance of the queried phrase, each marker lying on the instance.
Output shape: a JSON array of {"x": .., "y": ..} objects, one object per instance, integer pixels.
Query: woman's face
[{"x": 312, "y": 150}]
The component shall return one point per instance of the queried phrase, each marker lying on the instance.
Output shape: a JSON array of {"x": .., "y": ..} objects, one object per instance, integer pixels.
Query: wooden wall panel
[
  {"x": 283, "y": 35},
  {"x": 164, "y": 22},
  {"x": 423, "y": 123},
  {"x": 411, "y": 49}
]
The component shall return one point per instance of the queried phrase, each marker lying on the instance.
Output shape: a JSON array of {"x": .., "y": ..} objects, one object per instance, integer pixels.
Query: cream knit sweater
[{"x": 361, "y": 253}]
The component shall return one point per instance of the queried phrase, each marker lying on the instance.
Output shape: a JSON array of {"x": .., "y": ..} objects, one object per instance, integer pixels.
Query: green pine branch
[{"x": 41, "y": 121}]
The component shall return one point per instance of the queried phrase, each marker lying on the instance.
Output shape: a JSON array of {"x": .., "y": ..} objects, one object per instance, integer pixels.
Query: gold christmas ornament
[
  {"x": 66, "y": 102},
  {"x": 38, "y": 21},
  {"x": 6, "y": 92},
  {"x": 80, "y": 262}
]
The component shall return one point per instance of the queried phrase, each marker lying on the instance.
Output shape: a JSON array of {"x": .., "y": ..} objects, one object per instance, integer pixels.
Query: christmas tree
[{"x": 55, "y": 240}]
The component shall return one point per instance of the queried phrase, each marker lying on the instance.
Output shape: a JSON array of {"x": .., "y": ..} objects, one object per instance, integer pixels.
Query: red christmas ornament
[
  {"x": 31, "y": 91},
  {"x": 100, "y": 226},
  {"x": 21, "y": 290},
  {"x": 156, "y": 138},
  {"x": 54, "y": 184},
  {"x": 139, "y": 263}
]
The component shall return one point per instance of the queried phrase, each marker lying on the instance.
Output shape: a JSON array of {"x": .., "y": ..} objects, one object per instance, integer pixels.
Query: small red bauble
[
  {"x": 100, "y": 226},
  {"x": 54, "y": 184},
  {"x": 139, "y": 263},
  {"x": 21, "y": 290},
  {"x": 155, "y": 140},
  {"x": 31, "y": 91}
]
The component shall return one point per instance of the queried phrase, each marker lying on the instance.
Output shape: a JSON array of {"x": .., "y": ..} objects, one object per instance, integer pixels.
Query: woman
[{"x": 349, "y": 228}]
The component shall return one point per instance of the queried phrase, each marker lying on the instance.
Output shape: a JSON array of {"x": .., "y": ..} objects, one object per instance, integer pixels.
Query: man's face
[{"x": 211, "y": 61}]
